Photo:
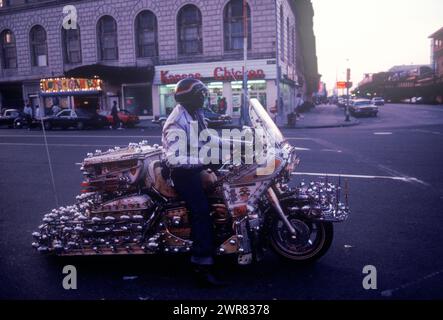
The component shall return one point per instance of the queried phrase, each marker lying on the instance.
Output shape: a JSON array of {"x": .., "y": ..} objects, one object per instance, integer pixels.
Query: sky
[{"x": 371, "y": 36}]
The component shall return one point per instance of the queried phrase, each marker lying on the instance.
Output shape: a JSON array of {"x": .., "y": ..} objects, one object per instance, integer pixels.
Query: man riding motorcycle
[{"x": 190, "y": 94}]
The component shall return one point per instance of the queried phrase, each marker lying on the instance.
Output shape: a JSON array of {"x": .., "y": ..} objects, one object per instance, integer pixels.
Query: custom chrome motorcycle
[{"x": 128, "y": 206}]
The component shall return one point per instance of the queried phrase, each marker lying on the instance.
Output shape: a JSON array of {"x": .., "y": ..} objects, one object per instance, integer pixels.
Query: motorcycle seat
[{"x": 162, "y": 185}]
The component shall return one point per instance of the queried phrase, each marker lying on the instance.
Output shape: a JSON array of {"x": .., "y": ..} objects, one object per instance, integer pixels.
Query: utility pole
[
  {"x": 348, "y": 79},
  {"x": 245, "y": 102}
]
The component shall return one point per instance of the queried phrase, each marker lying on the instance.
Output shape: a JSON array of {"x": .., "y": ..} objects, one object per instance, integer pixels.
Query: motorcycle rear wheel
[{"x": 312, "y": 241}]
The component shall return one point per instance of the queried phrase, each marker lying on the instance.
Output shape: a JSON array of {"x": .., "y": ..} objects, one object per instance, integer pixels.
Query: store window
[
  {"x": 8, "y": 50},
  {"x": 189, "y": 22},
  {"x": 137, "y": 99},
  {"x": 215, "y": 95},
  {"x": 167, "y": 100},
  {"x": 107, "y": 38},
  {"x": 256, "y": 89},
  {"x": 39, "y": 47},
  {"x": 287, "y": 95},
  {"x": 72, "y": 48},
  {"x": 233, "y": 25},
  {"x": 64, "y": 102},
  {"x": 146, "y": 34}
]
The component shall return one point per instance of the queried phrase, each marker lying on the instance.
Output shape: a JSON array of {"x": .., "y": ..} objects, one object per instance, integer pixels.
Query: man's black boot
[{"x": 205, "y": 277}]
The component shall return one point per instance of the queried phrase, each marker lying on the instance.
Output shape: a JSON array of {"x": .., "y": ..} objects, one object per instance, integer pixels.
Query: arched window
[
  {"x": 8, "y": 50},
  {"x": 189, "y": 22},
  {"x": 72, "y": 49},
  {"x": 233, "y": 25},
  {"x": 146, "y": 34},
  {"x": 282, "y": 34},
  {"x": 107, "y": 38},
  {"x": 39, "y": 47}
]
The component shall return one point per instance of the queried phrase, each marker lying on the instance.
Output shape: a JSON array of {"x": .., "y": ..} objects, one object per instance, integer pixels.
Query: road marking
[
  {"x": 331, "y": 150},
  {"x": 427, "y": 131},
  {"x": 382, "y": 133},
  {"x": 302, "y": 149},
  {"x": 358, "y": 176},
  {"x": 389, "y": 292},
  {"x": 309, "y": 139}
]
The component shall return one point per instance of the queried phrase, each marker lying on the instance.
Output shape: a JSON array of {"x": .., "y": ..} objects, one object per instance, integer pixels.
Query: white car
[{"x": 378, "y": 101}]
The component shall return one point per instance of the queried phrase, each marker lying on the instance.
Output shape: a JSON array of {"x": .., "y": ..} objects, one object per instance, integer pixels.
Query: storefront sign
[
  {"x": 230, "y": 74},
  {"x": 69, "y": 85},
  {"x": 219, "y": 74},
  {"x": 167, "y": 78},
  {"x": 221, "y": 71}
]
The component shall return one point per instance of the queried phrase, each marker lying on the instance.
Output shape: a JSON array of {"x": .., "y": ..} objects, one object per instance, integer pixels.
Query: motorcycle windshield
[{"x": 261, "y": 120}]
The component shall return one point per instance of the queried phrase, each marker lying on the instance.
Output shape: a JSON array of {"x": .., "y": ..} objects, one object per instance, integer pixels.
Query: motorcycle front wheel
[{"x": 312, "y": 239}]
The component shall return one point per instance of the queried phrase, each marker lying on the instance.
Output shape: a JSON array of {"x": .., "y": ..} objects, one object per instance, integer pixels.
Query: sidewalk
[{"x": 324, "y": 116}]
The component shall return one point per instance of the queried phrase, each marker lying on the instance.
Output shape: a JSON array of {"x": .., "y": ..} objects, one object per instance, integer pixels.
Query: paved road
[{"x": 394, "y": 165}]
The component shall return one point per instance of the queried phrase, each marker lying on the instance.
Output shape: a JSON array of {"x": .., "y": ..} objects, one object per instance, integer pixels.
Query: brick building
[
  {"x": 437, "y": 52},
  {"x": 134, "y": 51}
]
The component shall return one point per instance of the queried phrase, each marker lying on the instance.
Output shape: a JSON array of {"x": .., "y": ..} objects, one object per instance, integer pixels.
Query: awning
[{"x": 113, "y": 74}]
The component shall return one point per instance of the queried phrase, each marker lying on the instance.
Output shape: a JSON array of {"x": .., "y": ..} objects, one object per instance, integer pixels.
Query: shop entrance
[{"x": 89, "y": 103}]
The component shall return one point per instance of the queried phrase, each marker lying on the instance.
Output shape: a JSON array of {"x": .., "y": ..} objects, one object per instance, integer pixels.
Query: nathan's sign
[
  {"x": 219, "y": 74},
  {"x": 64, "y": 85}
]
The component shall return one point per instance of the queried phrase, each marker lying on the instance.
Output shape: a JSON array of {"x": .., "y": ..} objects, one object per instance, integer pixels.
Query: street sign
[{"x": 341, "y": 84}]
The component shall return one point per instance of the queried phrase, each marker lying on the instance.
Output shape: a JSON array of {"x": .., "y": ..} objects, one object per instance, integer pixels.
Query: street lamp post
[
  {"x": 348, "y": 78},
  {"x": 245, "y": 102}
]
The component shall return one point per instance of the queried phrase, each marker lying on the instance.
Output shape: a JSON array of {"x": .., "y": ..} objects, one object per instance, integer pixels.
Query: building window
[
  {"x": 288, "y": 41},
  {"x": 294, "y": 41},
  {"x": 72, "y": 48},
  {"x": 8, "y": 50},
  {"x": 189, "y": 23},
  {"x": 107, "y": 38},
  {"x": 146, "y": 34},
  {"x": 282, "y": 34},
  {"x": 39, "y": 47},
  {"x": 233, "y": 25}
]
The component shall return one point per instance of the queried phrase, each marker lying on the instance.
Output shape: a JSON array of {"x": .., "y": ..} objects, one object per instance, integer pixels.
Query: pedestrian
[
  {"x": 222, "y": 106},
  {"x": 274, "y": 111},
  {"x": 29, "y": 113},
  {"x": 38, "y": 114},
  {"x": 28, "y": 109},
  {"x": 115, "y": 118},
  {"x": 297, "y": 105},
  {"x": 55, "y": 109}
]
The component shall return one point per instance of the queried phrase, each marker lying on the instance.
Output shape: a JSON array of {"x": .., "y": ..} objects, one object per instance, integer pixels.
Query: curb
[{"x": 322, "y": 126}]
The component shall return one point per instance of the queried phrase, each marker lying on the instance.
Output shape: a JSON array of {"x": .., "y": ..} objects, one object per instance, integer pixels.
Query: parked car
[
  {"x": 68, "y": 118},
  {"x": 127, "y": 118},
  {"x": 363, "y": 107},
  {"x": 378, "y": 101},
  {"x": 8, "y": 116},
  {"x": 24, "y": 120},
  {"x": 212, "y": 118},
  {"x": 216, "y": 119}
]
